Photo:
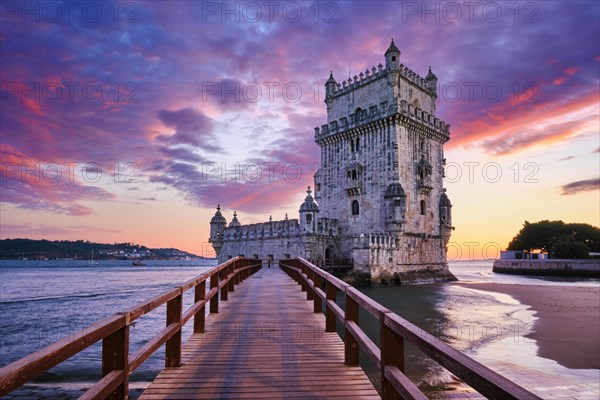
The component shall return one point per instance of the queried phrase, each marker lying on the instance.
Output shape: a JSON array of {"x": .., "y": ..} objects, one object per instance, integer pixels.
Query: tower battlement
[
  {"x": 379, "y": 111},
  {"x": 366, "y": 77}
]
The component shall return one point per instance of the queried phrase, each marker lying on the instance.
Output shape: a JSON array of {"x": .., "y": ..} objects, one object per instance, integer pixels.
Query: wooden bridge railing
[
  {"x": 322, "y": 287},
  {"x": 117, "y": 363}
]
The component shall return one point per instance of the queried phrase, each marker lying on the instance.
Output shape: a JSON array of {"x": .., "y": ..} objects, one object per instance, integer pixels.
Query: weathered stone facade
[
  {"x": 310, "y": 237},
  {"x": 379, "y": 190}
]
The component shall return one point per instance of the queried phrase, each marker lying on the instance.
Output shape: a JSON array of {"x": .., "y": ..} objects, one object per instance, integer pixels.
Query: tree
[
  {"x": 537, "y": 236},
  {"x": 566, "y": 247},
  {"x": 586, "y": 233},
  {"x": 571, "y": 238}
]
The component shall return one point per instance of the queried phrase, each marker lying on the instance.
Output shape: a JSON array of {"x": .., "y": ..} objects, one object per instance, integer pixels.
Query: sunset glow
[{"x": 133, "y": 123}]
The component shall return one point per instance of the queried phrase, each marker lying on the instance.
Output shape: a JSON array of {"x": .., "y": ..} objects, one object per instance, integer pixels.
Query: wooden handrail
[
  {"x": 394, "y": 330},
  {"x": 114, "y": 333},
  {"x": 105, "y": 386}
]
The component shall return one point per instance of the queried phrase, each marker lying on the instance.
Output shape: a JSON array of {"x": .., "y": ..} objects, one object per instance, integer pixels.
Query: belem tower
[{"x": 379, "y": 202}]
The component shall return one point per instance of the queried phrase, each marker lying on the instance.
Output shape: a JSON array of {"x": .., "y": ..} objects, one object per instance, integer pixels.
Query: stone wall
[
  {"x": 289, "y": 227},
  {"x": 276, "y": 240},
  {"x": 386, "y": 255},
  {"x": 548, "y": 267}
]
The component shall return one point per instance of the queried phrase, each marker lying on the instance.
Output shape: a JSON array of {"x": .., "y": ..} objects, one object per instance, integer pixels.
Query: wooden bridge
[{"x": 263, "y": 339}]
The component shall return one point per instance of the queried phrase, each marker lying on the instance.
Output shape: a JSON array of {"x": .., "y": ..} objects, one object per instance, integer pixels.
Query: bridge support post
[
  {"x": 310, "y": 293},
  {"x": 173, "y": 345},
  {"x": 200, "y": 317},
  {"x": 214, "y": 301},
  {"x": 115, "y": 356},
  {"x": 392, "y": 353},
  {"x": 237, "y": 278},
  {"x": 318, "y": 303},
  {"x": 224, "y": 289},
  {"x": 230, "y": 271},
  {"x": 329, "y": 315},
  {"x": 350, "y": 343},
  {"x": 303, "y": 283}
]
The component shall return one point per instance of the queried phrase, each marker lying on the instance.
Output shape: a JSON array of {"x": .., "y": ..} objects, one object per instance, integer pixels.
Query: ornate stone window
[
  {"x": 424, "y": 171},
  {"x": 354, "y": 145},
  {"x": 354, "y": 177},
  {"x": 355, "y": 208}
]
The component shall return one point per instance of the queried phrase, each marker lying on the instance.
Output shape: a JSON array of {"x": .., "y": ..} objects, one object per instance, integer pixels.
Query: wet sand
[{"x": 568, "y": 324}]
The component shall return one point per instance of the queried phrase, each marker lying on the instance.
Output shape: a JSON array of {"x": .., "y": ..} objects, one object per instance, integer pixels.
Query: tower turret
[
  {"x": 445, "y": 216},
  {"x": 309, "y": 211},
  {"x": 392, "y": 57},
  {"x": 330, "y": 87},
  {"x": 431, "y": 82},
  {"x": 217, "y": 226},
  {"x": 235, "y": 225},
  {"x": 395, "y": 202},
  {"x": 234, "y": 222}
]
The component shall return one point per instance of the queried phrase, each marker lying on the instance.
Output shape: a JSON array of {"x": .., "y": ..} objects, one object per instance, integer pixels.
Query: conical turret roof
[
  {"x": 392, "y": 48},
  {"x": 309, "y": 204},
  {"x": 234, "y": 222},
  {"x": 218, "y": 217}
]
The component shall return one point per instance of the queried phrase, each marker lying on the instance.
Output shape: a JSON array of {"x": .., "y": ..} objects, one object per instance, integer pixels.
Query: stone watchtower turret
[
  {"x": 217, "y": 226},
  {"x": 392, "y": 57},
  {"x": 309, "y": 212},
  {"x": 445, "y": 217}
]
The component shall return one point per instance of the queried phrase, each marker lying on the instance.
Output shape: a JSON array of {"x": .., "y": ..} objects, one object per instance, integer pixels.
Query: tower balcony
[
  {"x": 353, "y": 187},
  {"x": 424, "y": 186}
]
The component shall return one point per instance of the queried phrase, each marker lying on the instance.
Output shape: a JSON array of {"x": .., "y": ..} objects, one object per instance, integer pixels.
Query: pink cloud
[{"x": 35, "y": 185}]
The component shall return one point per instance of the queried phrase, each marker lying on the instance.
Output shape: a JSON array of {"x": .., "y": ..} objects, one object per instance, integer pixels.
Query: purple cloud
[
  {"x": 151, "y": 74},
  {"x": 587, "y": 185},
  {"x": 191, "y": 128}
]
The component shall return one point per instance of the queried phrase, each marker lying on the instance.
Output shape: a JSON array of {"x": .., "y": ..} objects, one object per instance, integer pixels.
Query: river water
[{"x": 44, "y": 301}]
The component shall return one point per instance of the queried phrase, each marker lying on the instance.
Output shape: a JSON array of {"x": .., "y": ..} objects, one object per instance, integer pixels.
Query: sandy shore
[{"x": 568, "y": 325}]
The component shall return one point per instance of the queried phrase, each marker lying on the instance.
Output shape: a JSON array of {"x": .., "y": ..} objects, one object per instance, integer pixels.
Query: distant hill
[{"x": 11, "y": 249}]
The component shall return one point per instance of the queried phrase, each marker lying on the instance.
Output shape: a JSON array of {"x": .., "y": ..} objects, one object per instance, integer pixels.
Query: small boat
[{"x": 138, "y": 264}]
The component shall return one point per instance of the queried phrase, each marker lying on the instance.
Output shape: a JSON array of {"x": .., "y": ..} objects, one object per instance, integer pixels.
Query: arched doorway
[{"x": 329, "y": 256}]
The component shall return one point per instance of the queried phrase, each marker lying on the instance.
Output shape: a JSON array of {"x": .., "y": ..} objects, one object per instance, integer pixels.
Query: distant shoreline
[
  {"x": 568, "y": 327},
  {"x": 42, "y": 250}
]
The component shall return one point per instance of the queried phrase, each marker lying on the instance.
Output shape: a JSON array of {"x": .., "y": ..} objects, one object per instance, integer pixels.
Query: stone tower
[
  {"x": 381, "y": 202},
  {"x": 382, "y": 168},
  {"x": 217, "y": 226}
]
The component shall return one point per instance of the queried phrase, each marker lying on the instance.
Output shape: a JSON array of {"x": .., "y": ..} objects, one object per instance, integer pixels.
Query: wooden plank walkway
[{"x": 265, "y": 342}]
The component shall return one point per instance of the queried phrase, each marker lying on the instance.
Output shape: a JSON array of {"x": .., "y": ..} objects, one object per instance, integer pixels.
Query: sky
[{"x": 130, "y": 121}]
